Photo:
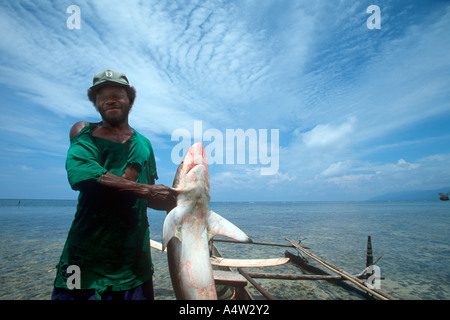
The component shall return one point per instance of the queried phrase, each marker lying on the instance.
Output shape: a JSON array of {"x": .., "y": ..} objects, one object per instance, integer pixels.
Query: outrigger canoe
[{"x": 231, "y": 285}]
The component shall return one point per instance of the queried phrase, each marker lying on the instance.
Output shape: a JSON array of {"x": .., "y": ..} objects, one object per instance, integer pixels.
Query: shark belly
[
  {"x": 188, "y": 228},
  {"x": 190, "y": 266}
]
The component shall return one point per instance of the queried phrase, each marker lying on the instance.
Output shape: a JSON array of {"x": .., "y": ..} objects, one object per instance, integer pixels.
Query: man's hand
[{"x": 161, "y": 197}]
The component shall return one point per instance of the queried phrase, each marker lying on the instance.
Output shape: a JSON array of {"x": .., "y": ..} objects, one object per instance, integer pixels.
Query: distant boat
[{"x": 444, "y": 197}]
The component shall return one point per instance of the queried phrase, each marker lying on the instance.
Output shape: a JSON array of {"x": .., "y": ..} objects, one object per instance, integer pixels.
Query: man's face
[{"x": 113, "y": 104}]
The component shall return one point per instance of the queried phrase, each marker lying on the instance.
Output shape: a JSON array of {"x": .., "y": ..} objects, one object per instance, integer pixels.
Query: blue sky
[{"x": 360, "y": 111}]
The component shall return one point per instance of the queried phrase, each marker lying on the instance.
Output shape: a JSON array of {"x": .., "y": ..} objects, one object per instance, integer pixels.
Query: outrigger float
[{"x": 232, "y": 284}]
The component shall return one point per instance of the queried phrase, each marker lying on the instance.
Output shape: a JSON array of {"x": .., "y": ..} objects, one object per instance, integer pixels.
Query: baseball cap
[{"x": 109, "y": 77}]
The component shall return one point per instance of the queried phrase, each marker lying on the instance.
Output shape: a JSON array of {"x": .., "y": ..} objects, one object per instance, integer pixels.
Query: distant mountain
[{"x": 411, "y": 195}]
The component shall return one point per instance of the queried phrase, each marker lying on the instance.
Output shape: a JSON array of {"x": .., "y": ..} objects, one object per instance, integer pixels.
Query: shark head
[{"x": 194, "y": 166}]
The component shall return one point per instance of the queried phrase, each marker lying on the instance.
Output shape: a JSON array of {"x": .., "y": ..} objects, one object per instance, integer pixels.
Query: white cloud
[
  {"x": 370, "y": 179},
  {"x": 403, "y": 165},
  {"x": 335, "y": 169},
  {"x": 330, "y": 136},
  {"x": 280, "y": 178},
  {"x": 310, "y": 69},
  {"x": 190, "y": 61}
]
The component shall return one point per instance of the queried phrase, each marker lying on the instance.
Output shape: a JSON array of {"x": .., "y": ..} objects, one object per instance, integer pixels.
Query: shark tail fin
[
  {"x": 171, "y": 227},
  {"x": 218, "y": 225}
]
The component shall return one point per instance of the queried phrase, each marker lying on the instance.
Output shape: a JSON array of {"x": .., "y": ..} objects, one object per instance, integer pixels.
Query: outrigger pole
[{"x": 376, "y": 293}]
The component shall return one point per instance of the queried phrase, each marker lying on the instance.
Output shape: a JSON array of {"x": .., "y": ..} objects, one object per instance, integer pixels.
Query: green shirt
[{"x": 109, "y": 236}]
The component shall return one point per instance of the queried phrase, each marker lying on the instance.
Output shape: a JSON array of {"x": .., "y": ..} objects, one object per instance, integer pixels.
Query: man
[{"x": 113, "y": 167}]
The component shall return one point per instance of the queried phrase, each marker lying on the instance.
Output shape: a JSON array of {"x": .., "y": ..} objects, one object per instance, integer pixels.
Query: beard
[{"x": 115, "y": 114}]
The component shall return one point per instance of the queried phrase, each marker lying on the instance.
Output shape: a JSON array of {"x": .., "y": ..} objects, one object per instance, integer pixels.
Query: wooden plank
[
  {"x": 369, "y": 255},
  {"x": 349, "y": 277},
  {"x": 258, "y": 243},
  {"x": 248, "y": 263},
  {"x": 257, "y": 275},
  {"x": 304, "y": 264},
  {"x": 245, "y": 263},
  {"x": 240, "y": 293},
  {"x": 256, "y": 285},
  {"x": 229, "y": 278},
  {"x": 156, "y": 245}
]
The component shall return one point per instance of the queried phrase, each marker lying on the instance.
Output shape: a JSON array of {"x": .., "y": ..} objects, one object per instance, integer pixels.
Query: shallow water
[{"x": 412, "y": 236}]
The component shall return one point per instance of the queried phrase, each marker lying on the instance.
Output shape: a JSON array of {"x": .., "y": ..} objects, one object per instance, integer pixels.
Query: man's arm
[
  {"x": 160, "y": 197},
  {"x": 76, "y": 128}
]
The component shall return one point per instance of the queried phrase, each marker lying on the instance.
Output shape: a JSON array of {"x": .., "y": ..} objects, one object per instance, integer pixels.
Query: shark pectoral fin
[
  {"x": 171, "y": 227},
  {"x": 218, "y": 225}
]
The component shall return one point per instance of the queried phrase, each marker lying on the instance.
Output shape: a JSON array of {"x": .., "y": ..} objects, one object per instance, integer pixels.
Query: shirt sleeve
[
  {"x": 82, "y": 163},
  {"x": 142, "y": 159},
  {"x": 153, "y": 174}
]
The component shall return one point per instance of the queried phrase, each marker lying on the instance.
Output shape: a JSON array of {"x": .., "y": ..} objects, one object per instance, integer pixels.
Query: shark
[{"x": 189, "y": 226}]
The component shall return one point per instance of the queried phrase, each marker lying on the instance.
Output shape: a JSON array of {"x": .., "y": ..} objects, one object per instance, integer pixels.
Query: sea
[{"x": 412, "y": 238}]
